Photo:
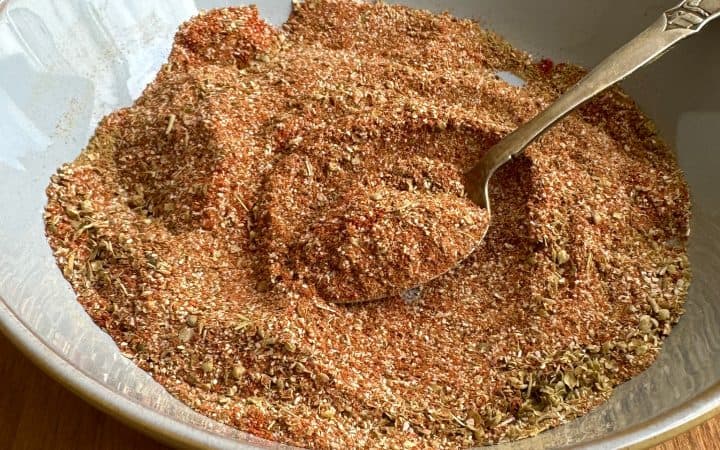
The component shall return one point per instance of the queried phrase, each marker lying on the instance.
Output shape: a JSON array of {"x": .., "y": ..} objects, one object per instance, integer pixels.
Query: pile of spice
[
  {"x": 199, "y": 226},
  {"x": 364, "y": 229}
]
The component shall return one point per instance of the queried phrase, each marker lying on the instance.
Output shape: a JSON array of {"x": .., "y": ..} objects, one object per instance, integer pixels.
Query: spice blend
[{"x": 210, "y": 228}]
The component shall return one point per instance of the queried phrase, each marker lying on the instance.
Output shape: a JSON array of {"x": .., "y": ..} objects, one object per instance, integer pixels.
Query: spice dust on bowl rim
[{"x": 68, "y": 86}]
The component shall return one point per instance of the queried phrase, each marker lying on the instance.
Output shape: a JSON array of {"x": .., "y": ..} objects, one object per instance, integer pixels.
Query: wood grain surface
[{"x": 38, "y": 413}]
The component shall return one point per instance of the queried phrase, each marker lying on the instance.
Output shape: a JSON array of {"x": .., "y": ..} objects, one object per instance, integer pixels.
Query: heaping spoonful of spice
[{"x": 386, "y": 241}]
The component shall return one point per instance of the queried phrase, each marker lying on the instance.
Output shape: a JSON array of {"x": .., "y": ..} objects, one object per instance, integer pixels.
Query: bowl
[{"x": 63, "y": 68}]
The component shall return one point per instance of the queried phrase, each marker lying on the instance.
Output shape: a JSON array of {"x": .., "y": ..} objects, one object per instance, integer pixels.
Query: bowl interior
[{"x": 62, "y": 69}]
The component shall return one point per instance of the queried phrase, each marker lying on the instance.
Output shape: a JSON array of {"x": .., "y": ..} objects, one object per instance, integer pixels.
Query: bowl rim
[{"x": 164, "y": 428}]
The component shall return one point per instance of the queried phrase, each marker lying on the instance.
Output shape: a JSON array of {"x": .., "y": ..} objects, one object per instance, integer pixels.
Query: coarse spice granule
[{"x": 182, "y": 224}]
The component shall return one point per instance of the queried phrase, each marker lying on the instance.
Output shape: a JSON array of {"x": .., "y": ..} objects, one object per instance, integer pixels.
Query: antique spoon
[{"x": 676, "y": 24}]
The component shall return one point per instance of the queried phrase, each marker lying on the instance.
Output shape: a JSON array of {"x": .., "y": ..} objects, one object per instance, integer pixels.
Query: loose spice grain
[{"x": 162, "y": 224}]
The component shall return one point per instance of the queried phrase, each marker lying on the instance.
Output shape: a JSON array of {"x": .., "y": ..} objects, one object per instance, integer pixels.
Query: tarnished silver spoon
[{"x": 676, "y": 24}]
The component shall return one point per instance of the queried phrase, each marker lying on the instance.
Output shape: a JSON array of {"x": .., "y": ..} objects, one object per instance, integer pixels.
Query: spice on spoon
[
  {"x": 382, "y": 227},
  {"x": 378, "y": 244}
]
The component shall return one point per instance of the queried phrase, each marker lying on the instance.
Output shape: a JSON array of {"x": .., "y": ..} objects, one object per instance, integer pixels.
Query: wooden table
[{"x": 38, "y": 413}]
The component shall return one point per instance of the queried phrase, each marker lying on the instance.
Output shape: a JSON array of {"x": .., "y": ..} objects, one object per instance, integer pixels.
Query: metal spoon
[
  {"x": 682, "y": 21},
  {"x": 674, "y": 25}
]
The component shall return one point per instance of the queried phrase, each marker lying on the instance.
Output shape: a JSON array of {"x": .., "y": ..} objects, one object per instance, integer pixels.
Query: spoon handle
[{"x": 674, "y": 25}]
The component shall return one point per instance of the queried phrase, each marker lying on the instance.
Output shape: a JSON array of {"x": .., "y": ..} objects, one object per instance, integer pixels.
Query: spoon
[{"x": 676, "y": 24}]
